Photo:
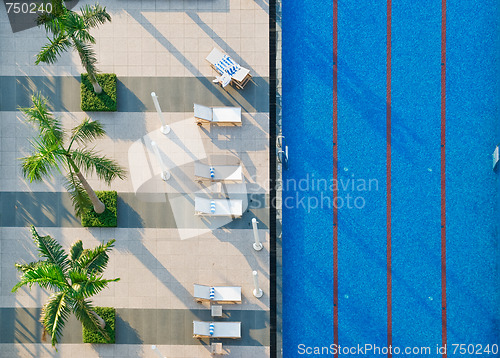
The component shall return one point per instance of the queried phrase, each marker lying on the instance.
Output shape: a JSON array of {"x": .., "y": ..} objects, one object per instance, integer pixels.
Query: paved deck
[
  {"x": 139, "y": 326},
  {"x": 134, "y": 93},
  {"x": 161, "y": 248}
]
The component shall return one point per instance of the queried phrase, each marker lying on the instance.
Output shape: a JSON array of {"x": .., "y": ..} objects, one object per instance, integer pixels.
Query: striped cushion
[
  {"x": 227, "y": 60},
  {"x": 227, "y": 65},
  {"x": 231, "y": 70},
  {"x": 211, "y": 329},
  {"x": 212, "y": 172},
  {"x": 212, "y": 206},
  {"x": 220, "y": 68},
  {"x": 212, "y": 293}
]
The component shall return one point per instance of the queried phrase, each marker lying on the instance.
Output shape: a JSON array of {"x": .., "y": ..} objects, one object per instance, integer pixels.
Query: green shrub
[
  {"x": 108, "y": 218},
  {"x": 108, "y": 314},
  {"x": 106, "y": 100}
]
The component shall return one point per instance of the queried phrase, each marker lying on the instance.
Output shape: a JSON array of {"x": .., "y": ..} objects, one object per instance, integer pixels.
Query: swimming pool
[{"x": 405, "y": 129}]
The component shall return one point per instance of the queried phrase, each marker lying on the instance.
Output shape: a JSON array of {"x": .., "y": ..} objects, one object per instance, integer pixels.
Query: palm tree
[
  {"x": 73, "y": 278},
  {"x": 71, "y": 31},
  {"x": 51, "y": 154}
]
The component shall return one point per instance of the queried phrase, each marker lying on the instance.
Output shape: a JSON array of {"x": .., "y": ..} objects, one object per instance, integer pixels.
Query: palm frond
[
  {"x": 84, "y": 285},
  {"x": 77, "y": 29},
  {"x": 47, "y": 19},
  {"x": 76, "y": 250},
  {"x": 52, "y": 50},
  {"x": 51, "y": 21},
  {"x": 58, "y": 7},
  {"x": 38, "y": 166},
  {"x": 88, "y": 130},
  {"x": 83, "y": 312},
  {"x": 78, "y": 278},
  {"x": 94, "y": 15},
  {"x": 89, "y": 161},
  {"x": 94, "y": 261},
  {"x": 47, "y": 276},
  {"x": 77, "y": 275},
  {"x": 93, "y": 285},
  {"x": 55, "y": 314},
  {"x": 46, "y": 159},
  {"x": 50, "y": 249},
  {"x": 29, "y": 266},
  {"x": 79, "y": 197},
  {"x": 87, "y": 56},
  {"x": 49, "y": 126}
]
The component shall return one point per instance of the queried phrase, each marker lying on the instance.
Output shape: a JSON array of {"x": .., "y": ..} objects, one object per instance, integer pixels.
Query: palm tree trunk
[
  {"x": 102, "y": 323},
  {"x": 89, "y": 67},
  {"x": 99, "y": 207},
  {"x": 93, "y": 80}
]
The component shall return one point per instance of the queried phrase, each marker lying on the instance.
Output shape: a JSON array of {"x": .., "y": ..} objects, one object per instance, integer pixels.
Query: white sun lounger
[
  {"x": 222, "y": 207},
  {"x": 217, "y": 114},
  {"x": 224, "y": 64},
  {"x": 216, "y": 329},
  {"x": 219, "y": 294},
  {"x": 218, "y": 172}
]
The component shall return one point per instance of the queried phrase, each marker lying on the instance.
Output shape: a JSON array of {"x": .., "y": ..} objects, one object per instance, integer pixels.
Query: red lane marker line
[
  {"x": 335, "y": 191},
  {"x": 443, "y": 172},
  {"x": 389, "y": 253}
]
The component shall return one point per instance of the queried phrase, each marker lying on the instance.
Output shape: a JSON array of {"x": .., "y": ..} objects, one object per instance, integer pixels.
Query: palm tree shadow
[
  {"x": 40, "y": 209},
  {"x": 28, "y": 329},
  {"x": 250, "y": 98},
  {"x": 127, "y": 100},
  {"x": 125, "y": 333},
  {"x": 152, "y": 317},
  {"x": 127, "y": 216},
  {"x": 49, "y": 87},
  {"x": 148, "y": 26}
]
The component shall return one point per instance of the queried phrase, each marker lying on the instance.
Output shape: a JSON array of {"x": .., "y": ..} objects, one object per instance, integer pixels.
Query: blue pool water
[
  {"x": 472, "y": 114},
  {"x": 309, "y": 284}
]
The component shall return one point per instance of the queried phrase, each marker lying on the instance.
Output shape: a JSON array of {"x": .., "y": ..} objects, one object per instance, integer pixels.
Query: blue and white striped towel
[
  {"x": 220, "y": 67},
  {"x": 212, "y": 172},
  {"x": 227, "y": 60},
  {"x": 211, "y": 329},
  {"x": 212, "y": 206},
  {"x": 232, "y": 70},
  {"x": 227, "y": 65},
  {"x": 212, "y": 293}
]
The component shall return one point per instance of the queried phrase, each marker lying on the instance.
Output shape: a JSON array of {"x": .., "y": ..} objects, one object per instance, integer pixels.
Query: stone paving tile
[{"x": 154, "y": 41}]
